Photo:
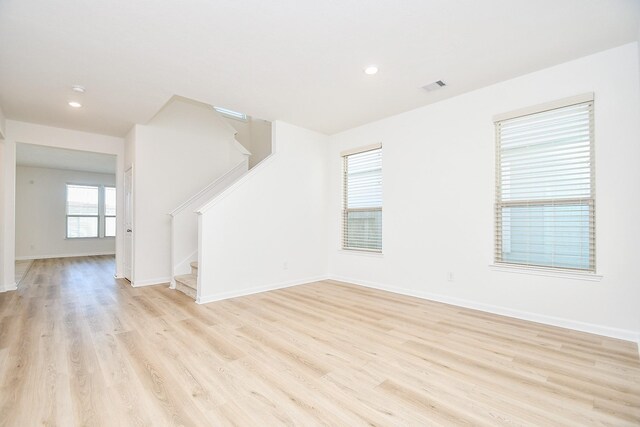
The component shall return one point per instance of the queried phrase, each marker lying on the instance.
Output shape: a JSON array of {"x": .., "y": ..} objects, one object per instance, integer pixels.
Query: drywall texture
[
  {"x": 268, "y": 229},
  {"x": 30, "y": 133},
  {"x": 185, "y": 147},
  {"x": 438, "y": 174},
  {"x": 41, "y": 214}
]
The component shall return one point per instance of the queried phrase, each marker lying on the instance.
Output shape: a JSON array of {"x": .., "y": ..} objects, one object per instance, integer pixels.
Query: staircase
[{"x": 188, "y": 283}]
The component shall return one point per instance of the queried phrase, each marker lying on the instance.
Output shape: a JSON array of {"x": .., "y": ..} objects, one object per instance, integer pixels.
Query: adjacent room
[
  {"x": 65, "y": 203},
  {"x": 308, "y": 213}
]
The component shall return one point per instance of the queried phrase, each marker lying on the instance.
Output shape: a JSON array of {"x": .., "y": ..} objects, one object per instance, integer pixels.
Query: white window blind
[
  {"x": 82, "y": 211},
  {"x": 91, "y": 211},
  {"x": 109, "y": 211},
  {"x": 545, "y": 192},
  {"x": 362, "y": 204}
]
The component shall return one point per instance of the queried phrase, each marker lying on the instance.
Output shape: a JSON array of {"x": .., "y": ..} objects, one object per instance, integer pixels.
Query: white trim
[
  {"x": 151, "y": 282},
  {"x": 564, "y": 102},
  {"x": 358, "y": 150},
  {"x": 623, "y": 334},
  {"x": 548, "y": 272},
  {"x": 206, "y": 189},
  {"x": 11, "y": 287},
  {"x": 237, "y": 184},
  {"x": 27, "y": 257},
  {"x": 258, "y": 289}
]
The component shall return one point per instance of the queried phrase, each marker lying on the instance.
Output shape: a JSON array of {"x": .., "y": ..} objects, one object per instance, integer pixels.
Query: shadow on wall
[{"x": 254, "y": 135}]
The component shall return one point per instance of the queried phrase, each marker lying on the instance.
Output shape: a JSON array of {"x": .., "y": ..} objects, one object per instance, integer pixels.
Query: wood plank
[{"x": 78, "y": 347}]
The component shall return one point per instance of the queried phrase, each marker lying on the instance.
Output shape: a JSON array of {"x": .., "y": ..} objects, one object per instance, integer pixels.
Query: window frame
[
  {"x": 345, "y": 210},
  {"x": 541, "y": 269},
  {"x": 101, "y": 216},
  {"x": 67, "y": 215},
  {"x": 236, "y": 115}
]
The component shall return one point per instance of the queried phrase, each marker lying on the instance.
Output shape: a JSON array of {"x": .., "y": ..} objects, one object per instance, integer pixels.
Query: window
[
  {"x": 545, "y": 192},
  {"x": 109, "y": 211},
  {"x": 362, "y": 190},
  {"x": 232, "y": 114},
  {"x": 89, "y": 206},
  {"x": 82, "y": 211}
]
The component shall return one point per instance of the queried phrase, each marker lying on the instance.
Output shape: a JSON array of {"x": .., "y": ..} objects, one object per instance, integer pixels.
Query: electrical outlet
[
  {"x": 450, "y": 276},
  {"x": 285, "y": 265}
]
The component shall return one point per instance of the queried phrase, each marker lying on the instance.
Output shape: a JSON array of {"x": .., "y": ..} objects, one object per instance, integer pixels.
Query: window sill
[
  {"x": 361, "y": 253},
  {"x": 89, "y": 238},
  {"x": 549, "y": 272}
]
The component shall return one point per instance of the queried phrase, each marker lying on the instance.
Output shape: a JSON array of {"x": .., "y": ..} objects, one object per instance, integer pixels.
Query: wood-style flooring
[
  {"x": 79, "y": 348},
  {"x": 21, "y": 269}
]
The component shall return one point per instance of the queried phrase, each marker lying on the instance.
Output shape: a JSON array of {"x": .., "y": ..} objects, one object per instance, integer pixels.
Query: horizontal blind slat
[
  {"x": 545, "y": 212},
  {"x": 362, "y": 203}
]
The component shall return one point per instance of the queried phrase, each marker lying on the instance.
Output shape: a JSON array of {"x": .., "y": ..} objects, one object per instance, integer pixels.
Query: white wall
[
  {"x": 30, "y": 133},
  {"x": 185, "y": 147},
  {"x": 438, "y": 169},
  {"x": 260, "y": 141},
  {"x": 3, "y": 124},
  {"x": 2, "y": 221},
  {"x": 41, "y": 214},
  {"x": 268, "y": 229},
  {"x": 3, "y": 180},
  {"x": 130, "y": 148},
  {"x": 255, "y": 136}
]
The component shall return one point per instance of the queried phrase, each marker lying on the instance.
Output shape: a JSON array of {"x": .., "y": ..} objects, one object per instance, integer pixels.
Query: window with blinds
[
  {"x": 91, "y": 211},
  {"x": 545, "y": 193},
  {"x": 362, "y": 203}
]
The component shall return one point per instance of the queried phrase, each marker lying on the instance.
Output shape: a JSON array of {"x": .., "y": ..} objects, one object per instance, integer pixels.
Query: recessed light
[
  {"x": 75, "y": 104},
  {"x": 78, "y": 88},
  {"x": 371, "y": 70}
]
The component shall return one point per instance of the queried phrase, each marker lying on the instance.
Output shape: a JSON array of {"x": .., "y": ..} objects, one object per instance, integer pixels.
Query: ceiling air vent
[{"x": 434, "y": 86}]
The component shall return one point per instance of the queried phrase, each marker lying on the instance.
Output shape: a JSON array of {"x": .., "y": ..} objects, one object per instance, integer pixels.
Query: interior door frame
[{"x": 128, "y": 224}]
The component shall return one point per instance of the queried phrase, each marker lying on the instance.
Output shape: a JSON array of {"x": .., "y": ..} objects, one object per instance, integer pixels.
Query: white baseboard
[
  {"x": 624, "y": 334},
  {"x": 255, "y": 290},
  {"x": 10, "y": 287},
  {"x": 29, "y": 257},
  {"x": 151, "y": 282}
]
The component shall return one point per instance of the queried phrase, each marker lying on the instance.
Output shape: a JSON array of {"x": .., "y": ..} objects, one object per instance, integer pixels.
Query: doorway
[{"x": 65, "y": 203}]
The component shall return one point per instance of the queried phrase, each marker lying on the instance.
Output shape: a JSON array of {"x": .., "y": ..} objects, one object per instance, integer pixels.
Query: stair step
[
  {"x": 194, "y": 264},
  {"x": 190, "y": 280},
  {"x": 187, "y": 284}
]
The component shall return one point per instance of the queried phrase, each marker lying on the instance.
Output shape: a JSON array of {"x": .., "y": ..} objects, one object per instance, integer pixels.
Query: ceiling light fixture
[
  {"x": 371, "y": 70},
  {"x": 75, "y": 104},
  {"x": 78, "y": 88}
]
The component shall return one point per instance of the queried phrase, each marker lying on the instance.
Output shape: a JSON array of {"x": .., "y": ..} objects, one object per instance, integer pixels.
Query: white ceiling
[
  {"x": 60, "y": 158},
  {"x": 296, "y": 60}
]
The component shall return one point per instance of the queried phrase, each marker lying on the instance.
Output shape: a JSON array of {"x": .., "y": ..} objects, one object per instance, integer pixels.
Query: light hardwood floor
[
  {"x": 21, "y": 269},
  {"x": 80, "y": 348}
]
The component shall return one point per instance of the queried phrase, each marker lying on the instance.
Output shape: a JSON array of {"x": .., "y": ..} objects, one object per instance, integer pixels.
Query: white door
[{"x": 128, "y": 226}]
